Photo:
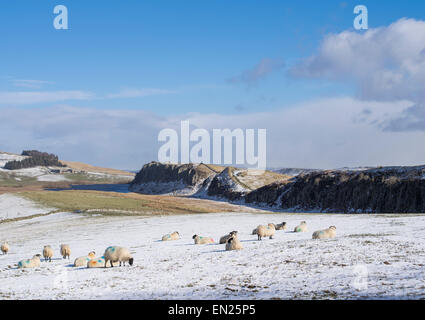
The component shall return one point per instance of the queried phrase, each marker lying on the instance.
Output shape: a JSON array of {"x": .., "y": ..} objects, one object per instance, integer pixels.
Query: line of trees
[{"x": 35, "y": 159}]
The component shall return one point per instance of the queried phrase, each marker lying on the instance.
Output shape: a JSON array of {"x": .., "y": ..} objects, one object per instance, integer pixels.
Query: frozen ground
[
  {"x": 12, "y": 207},
  {"x": 372, "y": 257}
]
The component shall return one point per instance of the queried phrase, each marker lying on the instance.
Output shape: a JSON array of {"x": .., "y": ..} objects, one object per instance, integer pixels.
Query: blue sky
[{"x": 174, "y": 58}]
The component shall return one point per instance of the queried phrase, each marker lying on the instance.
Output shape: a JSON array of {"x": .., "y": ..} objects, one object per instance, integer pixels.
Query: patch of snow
[
  {"x": 12, "y": 206},
  {"x": 52, "y": 178}
]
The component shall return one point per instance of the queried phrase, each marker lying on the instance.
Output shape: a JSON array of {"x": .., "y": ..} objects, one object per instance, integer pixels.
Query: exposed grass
[
  {"x": 111, "y": 203},
  {"x": 86, "y": 167}
]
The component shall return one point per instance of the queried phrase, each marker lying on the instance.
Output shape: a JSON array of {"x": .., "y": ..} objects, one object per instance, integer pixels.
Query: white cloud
[
  {"x": 325, "y": 133},
  {"x": 32, "y": 97},
  {"x": 30, "y": 84},
  {"x": 136, "y": 93},
  {"x": 386, "y": 63}
]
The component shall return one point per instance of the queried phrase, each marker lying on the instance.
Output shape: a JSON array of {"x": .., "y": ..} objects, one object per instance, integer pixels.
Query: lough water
[{"x": 121, "y": 188}]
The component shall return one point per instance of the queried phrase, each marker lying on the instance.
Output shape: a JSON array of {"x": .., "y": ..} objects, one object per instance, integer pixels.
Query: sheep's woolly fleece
[{"x": 373, "y": 256}]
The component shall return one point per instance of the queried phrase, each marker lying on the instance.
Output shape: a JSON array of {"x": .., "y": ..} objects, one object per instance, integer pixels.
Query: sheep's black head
[
  {"x": 194, "y": 236},
  {"x": 283, "y": 223},
  {"x": 230, "y": 240},
  {"x": 130, "y": 261},
  {"x": 233, "y": 233},
  {"x": 332, "y": 227}
]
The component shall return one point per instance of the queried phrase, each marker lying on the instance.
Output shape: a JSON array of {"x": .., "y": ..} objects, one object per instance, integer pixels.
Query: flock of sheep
[
  {"x": 115, "y": 255},
  {"x": 233, "y": 243}
]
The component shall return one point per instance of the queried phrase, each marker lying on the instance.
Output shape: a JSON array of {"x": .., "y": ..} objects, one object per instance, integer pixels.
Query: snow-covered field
[
  {"x": 372, "y": 257},
  {"x": 12, "y": 207}
]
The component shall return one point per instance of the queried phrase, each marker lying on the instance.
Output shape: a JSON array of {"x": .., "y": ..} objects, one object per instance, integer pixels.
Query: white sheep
[
  {"x": 34, "y": 262},
  {"x": 224, "y": 239},
  {"x": 48, "y": 253},
  {"x": 173, "y": 236},
  {"x": 98, "y": 263},
  {"x": 5, "y": 247},
  {"x": 115, "y": 253},
  {"x": 65, "y": 251},
  {"x": 233, "y": 243},
  {"x": 302, "y": 227},
  {"x": 281, "y": 226},
  {"x": 82, "y": 261},
  {"x": 329, "y": 233},
  {"x": 202, "y": 240},
  {"x": 266, "y": 231}
]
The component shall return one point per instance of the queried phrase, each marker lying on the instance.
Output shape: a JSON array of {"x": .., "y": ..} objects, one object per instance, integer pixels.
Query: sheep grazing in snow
[
  {"x": 254, "y": 231},
  {"x": 48, "y": 253},
  {"x": 82, "y": 261},
  {"x": 65, "y": 251},
  {"x": 117, "y": 254},
  {"x": 266, "y": 231},
  {"x": 5, "y": 247},
  {"x": 233, "y": 243},
  {"x": 34, "y": 262},
  {"x": 202, "y": 240},
  {"x": 329, "y": 233},
  {"x": 173, "y": 236},
  {"x": 281, "y": 226},
  {"x": 224, "y": 239},
  {"x": 98, "y": 263},
  {"x": 302, "y": 227}
]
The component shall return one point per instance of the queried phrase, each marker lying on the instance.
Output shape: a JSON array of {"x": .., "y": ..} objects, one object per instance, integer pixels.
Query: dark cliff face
[
  {"x": 386, "y": 190},
  {"x": 267, "y": 195},
  {"x": 155, "y": 172}
]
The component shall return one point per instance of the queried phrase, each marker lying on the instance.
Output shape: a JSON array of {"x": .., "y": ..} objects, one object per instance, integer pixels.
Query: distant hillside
[
  {"x": 378, "y": 190},
  {"x": 27, "y": 171}
]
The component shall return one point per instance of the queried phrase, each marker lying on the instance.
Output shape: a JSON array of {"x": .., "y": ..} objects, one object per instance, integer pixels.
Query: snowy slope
[
  {"x": 12, "y": 207},
  {"x": 386, "y": 250}
]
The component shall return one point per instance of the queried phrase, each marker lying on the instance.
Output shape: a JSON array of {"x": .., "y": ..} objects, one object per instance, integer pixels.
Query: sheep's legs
[{"x": 111, "y": 263}]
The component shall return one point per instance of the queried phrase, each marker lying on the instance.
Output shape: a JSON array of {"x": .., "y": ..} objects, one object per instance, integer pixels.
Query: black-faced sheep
[
  {"x": 281, "y": 226},
  {"x": 173, "y": 236},
  {"x": 117, "y": 254},
  {"x": 34, "y": 262},
  {"x": 224, "y": 239},
  {"x": 233, "y": 244},
  {"x": 48, "y": 253},
  {"x": 65, "y": 251},
  {"x": 302, "y": 227},
  {"x": 202, "y": 240},
  {"x": 329, "y": 233}
]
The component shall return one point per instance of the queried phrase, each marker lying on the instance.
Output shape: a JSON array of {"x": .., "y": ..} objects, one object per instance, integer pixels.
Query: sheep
[
  {"x": 254, "y": 231},
  {"x": 329, "y": 233},
  {"x": 281, "y": 226},
  {"x": 233, "y": 243},
  {"x": 5, "y": 247},
  {"x": 115, "y": 253},
  {"x": 302, "y": 227},
  {"x": 65, "y": 251},
  {"x": 224, "y": 239},
  {"x": 266, "y": 231},
  {"x": 173, "y": 236},
  {"x": 98, "y": 263},
  {"x": 34, "y": 262},
  {"x": 82, "y": 261},
  {"x": 202, "y": 240},
  {"x": 48, "y": 253}
]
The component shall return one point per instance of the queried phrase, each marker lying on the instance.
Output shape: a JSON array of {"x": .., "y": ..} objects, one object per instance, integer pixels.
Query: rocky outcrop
[
  {"x": 161, "y": 178},
  {"x": 381, "y": 190},
  {"x": 227, "y": 186}
]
